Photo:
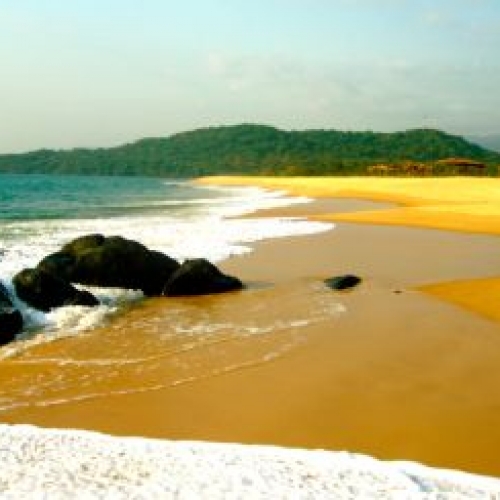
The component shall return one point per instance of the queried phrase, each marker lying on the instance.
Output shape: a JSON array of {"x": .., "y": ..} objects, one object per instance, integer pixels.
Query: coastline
[
  {"x": 462, "y": 204},
  {"x": 466, "y": 204},
  {"x": 351, "y": 381}
]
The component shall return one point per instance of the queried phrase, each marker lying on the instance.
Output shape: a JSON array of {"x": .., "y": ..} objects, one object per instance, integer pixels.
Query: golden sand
[
  {"x": 399, "y": 375},
  {"x": 467, "y": 204},
  {"x": 481, "y": 295},
  {"x": 457, "y": 203}
]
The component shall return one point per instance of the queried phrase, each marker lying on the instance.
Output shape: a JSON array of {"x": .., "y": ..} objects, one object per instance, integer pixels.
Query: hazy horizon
[{"x": 103, "y": 73}]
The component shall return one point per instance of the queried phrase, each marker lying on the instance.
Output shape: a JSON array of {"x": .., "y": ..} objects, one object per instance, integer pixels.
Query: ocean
[
  {"x": 39, "y": 213},
  {"x": 128, "y": 343}
]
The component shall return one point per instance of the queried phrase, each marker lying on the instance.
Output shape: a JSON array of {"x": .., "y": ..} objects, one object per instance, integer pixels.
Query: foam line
[{"x": 55, "y": 463}]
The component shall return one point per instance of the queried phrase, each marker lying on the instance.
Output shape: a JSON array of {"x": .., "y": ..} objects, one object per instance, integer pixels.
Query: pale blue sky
[{"x": 103, "y": 72}]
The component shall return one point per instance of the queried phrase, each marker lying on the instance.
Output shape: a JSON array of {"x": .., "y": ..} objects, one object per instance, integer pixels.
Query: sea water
[
  {"x": 128, "y": 343},
  {"x": 40, "y": 213}
]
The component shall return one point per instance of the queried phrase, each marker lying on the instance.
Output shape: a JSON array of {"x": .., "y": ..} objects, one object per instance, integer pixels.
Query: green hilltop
[{"x": 253, "y": 150}]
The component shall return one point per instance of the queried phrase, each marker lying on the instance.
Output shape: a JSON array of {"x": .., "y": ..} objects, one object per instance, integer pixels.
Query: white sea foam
[
  {"x": 208, "y": 230},
  {"x": 69, "y": 464}
]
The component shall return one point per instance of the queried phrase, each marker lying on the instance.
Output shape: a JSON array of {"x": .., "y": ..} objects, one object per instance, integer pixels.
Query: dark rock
[
  {"x": 161, "y": 267},
  {"x": 59, "y": 264},
  {"x": 111, "y": 262},
  {"x": 82, "y": 298},
  {"x": 199, "y": 277},
  {"x": 11, "y": 320},
  {"x": 83, "y": 243},
  {"x": 342, "y": 282},
  {"x": 42, "y": 290}
]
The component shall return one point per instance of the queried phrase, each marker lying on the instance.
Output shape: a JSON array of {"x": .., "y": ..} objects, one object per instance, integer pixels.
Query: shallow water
[
  {"x": 40, "y": 213},
  {"x": 129, "y": 344},
  {"x": 161, "y": 343}
]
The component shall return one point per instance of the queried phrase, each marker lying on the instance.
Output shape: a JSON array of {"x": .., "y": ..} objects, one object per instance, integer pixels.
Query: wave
[
  {"x": 154, "y": 347},
  {"x": 210, "y": 231},
  {"x": 57, "y": 463}
]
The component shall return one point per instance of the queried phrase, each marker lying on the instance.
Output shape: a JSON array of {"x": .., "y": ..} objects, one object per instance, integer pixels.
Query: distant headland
[{"x": 250, "y": 149}]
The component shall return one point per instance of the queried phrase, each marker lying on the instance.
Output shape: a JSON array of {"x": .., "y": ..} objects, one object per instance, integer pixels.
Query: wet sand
[
  {"x": 400, "y": 374},
  {"x": 463, "y": 204}
]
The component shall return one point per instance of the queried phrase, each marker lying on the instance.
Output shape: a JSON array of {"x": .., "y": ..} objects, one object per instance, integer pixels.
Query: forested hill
[{"x": 252, "y": 149}]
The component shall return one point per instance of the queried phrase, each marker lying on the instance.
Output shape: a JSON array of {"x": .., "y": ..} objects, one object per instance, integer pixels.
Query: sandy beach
[
  {"x": 464, "y": 204},
  {"x": 392, "y": 372}
]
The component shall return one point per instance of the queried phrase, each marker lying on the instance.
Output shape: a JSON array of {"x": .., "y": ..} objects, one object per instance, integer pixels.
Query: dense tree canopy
[{"x": 252, "y": 149}]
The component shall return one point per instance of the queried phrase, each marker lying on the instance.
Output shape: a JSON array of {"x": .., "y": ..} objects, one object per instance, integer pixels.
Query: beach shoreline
[
  {"x": 465, "y": 205},
  {"x": 395, "y": 374}
]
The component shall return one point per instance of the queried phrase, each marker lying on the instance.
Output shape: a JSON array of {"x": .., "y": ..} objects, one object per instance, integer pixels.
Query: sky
[{"x": 89, "y": 73}]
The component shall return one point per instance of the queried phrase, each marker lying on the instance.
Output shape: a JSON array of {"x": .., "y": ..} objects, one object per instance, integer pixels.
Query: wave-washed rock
[
  {"x": 199, "y": 277},
  {"x": 43, "y": 290},
  {"x": 114, "y": 262},
  {"x": 111, "y": 262},
  {"x": 11, "y": 320}
]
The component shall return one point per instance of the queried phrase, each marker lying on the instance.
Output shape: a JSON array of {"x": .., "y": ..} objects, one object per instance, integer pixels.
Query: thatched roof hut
[
  {"x": 461, "y": 162},
  {"x": 462, "y": 166}
]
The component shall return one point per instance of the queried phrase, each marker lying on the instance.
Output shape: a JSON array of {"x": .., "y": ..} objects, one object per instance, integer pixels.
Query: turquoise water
[
  {"x": 40, "y": 213},
  {"x": 171, "y": 345},
  {"x": 39, "y": 197}
]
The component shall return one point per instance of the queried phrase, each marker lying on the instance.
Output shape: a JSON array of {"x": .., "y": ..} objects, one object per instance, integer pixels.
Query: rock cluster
[
  {"x": 102, "y": 261},
  {"x": 115, "y": 262},
  {"x": 111, "y": 262}
]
